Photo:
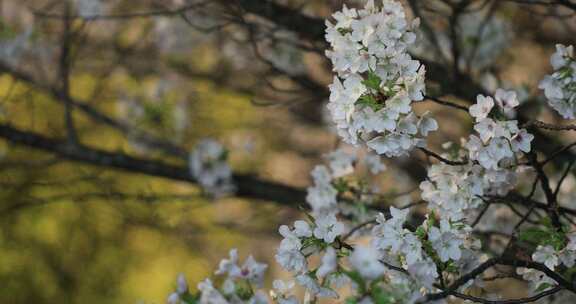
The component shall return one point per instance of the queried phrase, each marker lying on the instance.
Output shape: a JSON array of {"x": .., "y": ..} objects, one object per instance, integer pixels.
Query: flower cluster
[
  {"x": 493, "y": 152},
  {"x": 560, "y": 87},
  {"x": 554, "y": 248},
  {"x": 329, "y": 181},
  {"x": 208, "y": 166},
  {"x": 377, "y": 80},
  {"x": 238, "y": 286},
  {"x": 304, "y": 240},
  {"x": 389, "y": 257},
  {"x": 498, "y": 138}
]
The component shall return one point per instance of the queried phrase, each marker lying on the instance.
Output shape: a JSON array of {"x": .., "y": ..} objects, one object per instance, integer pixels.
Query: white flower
[
  {"x": 365, "y": 259},
  {"x": 228, "y": 265},
  {"x": 209, "y": 294},
  {"x": 427, "y": 124},
  {"x": 291, "y": 260},
  {"x": 559, "y": 87},
  {"x": 445, "y": 242},
  {"x": 568, "y": 257},
  {"x": 377, "y": 80},
  {"x": 482, "y": 108},
  {"x": 207, "y": 165},
  {"x": 288, "y": 254},
  {"x": 506, "y": 99},
  {"x": 560, "y": 58},
  {"x": 374, "y": 163},
  {"x": 345, "y": 17},
  {"x": 521, "y": 141},
  {"x": 328, "y": 264},
  {"x": 536, "y": 278},
  {"x": 341, "y": 163},
  {"x": 173, "y": 298},
  {"x": 546, "y": 255},
  {"x": 302, "y": 229},
  {"x": 251, "y": 270},
  {"x": 412, "y": 247},
  {"x": 327, "y": 228},
  {"x": 182, "y": 285},
  {"x": 389, "y": 234},
  {"x": 321, "y": 175},
  {"x": 487, "y": 129},
  {"x": 314, "y": 287},
  {"x": 322, "y": 196},
  {"x": 425, "y": 272}
]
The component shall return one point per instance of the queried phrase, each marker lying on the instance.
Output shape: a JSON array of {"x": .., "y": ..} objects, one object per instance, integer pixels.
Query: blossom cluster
[
  {"x": 498, "y": 137},
  {"x": 207, "y": 164},
  {"x": 388, "y": 256},
  {"x": 322, "y": 196},
  {"x": 377, "y": 80},
  {"x": 456, "y": 191},
  {"x": 242, "y": 284},
  {"x": 560, "y": 87}
]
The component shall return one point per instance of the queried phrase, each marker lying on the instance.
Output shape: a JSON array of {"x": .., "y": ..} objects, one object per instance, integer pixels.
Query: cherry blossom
[
  {"x": 207, "y": 165},
  {"x": 560, "y": 87},
  {"x": 377, "y": 80}
]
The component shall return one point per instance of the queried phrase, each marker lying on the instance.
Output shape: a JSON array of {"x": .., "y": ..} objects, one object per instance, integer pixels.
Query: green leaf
[
  {"x": 380, "y": 296},
  {"x": 545, "y": 237},
  {"x": 351, "y": 301},
  {"x": 543, "y": 287},
  {"x": 373, "y": 81},
  {"x": 190, "y": 299},
  {"x": 533, "y": 235},
  {"x": 368, "y": 100},
  {"x": 357, "y": 278},
  {"x": 421, "y": 233}
]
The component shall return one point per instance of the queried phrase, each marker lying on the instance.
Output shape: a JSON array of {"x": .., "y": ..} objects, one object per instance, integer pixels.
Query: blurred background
[{"x": 102, "y": 100}]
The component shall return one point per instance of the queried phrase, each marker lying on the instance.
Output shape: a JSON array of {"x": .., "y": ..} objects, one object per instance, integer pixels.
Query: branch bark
[{"x": 249, "y": 186}]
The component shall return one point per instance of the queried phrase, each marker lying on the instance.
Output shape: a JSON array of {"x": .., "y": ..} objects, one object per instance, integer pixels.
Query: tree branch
[{"x": 249, "y": 186}]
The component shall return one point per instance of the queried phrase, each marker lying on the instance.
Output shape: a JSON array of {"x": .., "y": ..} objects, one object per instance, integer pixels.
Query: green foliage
[
  {"x": 372, "y": 81},
  {"x": 244, "y": 290},
  {"x": 542, "y": 287},
  {"x": 190, "y": 299},
  {"x": 544, "y": 236},
  {"x": 357, "y": 278},
  {"x": 381, "y": 296},
  {"x": 351, "y": 301}
]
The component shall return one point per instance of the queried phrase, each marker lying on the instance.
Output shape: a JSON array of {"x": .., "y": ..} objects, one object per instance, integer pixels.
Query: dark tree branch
[
  {"x": 547, "y": 126},
  {"x": 452, "y": 289},
  {"x": 442, "y": 159},
  {"x": 59, "y": 96},
  {"x": 248, "y": 186}
]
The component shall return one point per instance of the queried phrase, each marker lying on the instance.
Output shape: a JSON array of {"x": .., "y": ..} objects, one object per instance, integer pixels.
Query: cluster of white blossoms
[
  {"x": 304, "y": 240},
  {"x": 499, "y": 138},
  {"x": 555, "y": 250},
  {"x": 428, "y": 250},
  {"x": 377, "y": 80},
  {"x": 560, "y": 87},
  {"x": 242, "y": 284},
  {"x": 322, "y": 196},
  {"x": 387, "y": 257},
  {"x": 456, "y": 191},
  {"x": 207, "y": 164}
]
